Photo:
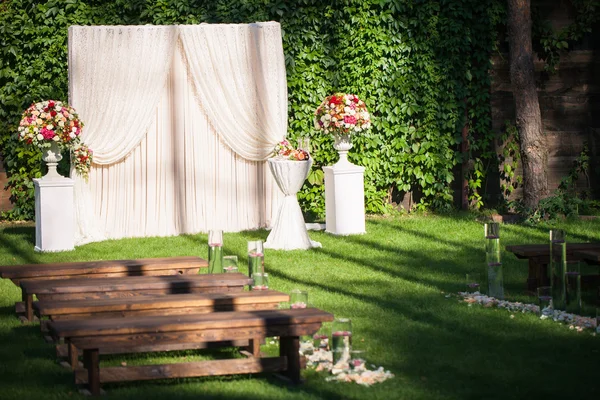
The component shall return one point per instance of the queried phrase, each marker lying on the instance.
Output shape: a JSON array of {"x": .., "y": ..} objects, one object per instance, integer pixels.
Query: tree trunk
[{"x": 534, "y": 150}]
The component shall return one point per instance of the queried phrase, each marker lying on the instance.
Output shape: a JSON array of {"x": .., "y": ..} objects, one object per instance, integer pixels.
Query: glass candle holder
[
  {"x": 473, "y": 282},
  {"x": 358, "y": 360},
  {"x": 215, "y": 251},
  {"x": 558, "y": 270},
  {"x": 298, "y": 298},
  {"x": 544, "y": 294},
  {"x": 230, "y": 264},
  {"x": 573, "y": 287},
  {"x": 256, "y": 257},
  {"x": 260, "y": 281},
  {"x": 321, "y": 337},
  {"x": 557, "y": 235},
  {"x": 492, "y": 230},
  {"x": 495, "y": 276},
  {"x": 341, "y": 340},
  {"x": 304, "y": 144}
]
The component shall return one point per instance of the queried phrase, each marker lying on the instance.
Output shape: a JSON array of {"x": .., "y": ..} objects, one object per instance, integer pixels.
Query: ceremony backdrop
[{"x": 181, "y": 120}]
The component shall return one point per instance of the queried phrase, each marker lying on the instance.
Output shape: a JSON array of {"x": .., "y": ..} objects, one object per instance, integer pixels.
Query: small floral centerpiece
[
  {"x": 52, "y": 124},
  {"x": 342, "y": 114},
  {"x": 285, "y": 151},
  {"x": 82, "y": 159}
]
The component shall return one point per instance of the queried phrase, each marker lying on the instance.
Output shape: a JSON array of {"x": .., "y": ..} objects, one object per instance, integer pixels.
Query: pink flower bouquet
[
  {"x": 53, "y": 122},
  {"x": 50, "y": 121},
  {"x": 342, "y": 114}
]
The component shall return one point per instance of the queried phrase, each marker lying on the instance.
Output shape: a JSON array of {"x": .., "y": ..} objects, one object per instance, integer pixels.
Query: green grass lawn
[{"x": 392, "y": 282}]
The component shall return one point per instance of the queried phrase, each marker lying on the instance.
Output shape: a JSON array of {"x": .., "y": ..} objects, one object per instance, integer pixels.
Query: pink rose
[
  {"x": 350, "y": 119},
  {"x": 47, "y": 133}
]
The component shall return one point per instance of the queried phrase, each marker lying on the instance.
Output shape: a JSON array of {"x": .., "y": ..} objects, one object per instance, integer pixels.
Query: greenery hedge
[{"x": 421, "y": 66}]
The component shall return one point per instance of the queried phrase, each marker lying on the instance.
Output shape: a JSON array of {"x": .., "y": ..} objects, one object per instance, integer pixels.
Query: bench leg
[
  {"x": 28, "y": 300},
  {"x": 254, "y": 347},
  {"x": 73, "y": 356},
  {"x": 536, "y": 274},
  {"x": 91, "y": 362},
  {"x": 290, "y": 347}
]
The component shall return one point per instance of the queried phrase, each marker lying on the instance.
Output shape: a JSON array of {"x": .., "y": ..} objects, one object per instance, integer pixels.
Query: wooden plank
[
  {"x": 62, "y": 350},
  {"x": 150, "y": 341},
  {"x": 177, "y": 303},
  {"x": 165, "y": 311},
  {"x": 186, "y": 370},
  {"x": 139, "y": 266},
  {"x": 224, "y": 320},
  {"x": 536, "y": 250},
  {"x": 590, "y": 256},
  {"x": 169, "y": 283}
]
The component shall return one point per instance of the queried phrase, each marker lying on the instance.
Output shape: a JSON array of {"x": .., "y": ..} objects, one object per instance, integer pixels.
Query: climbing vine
[{"x": 421, "y": 66}]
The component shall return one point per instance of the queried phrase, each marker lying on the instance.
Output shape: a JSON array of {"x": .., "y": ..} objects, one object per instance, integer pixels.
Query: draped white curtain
[{"x": 181, "y": 119}]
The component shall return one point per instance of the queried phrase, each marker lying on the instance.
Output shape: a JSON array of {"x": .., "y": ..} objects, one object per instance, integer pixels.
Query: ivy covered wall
[{"x": 421, "y": 66}]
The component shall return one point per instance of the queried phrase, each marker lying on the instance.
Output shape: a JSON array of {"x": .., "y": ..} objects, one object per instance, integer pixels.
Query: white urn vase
[
  {"x": 342, "y": 143},
  {"x": 51, "y": 156}
]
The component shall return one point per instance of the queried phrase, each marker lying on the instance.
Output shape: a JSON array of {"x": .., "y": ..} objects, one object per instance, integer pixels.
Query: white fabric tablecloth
[{"x": 289, "y": 230}]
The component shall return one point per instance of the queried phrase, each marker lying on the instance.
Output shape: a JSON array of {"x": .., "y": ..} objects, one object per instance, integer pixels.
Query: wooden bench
[
  {"x": 92, "y": 335},
  {"x": 538, "y": 256},
  {"x": 104, "y": 269},
  {"x": 125, "y": 287},
  {"x": 175, "y": 304}
]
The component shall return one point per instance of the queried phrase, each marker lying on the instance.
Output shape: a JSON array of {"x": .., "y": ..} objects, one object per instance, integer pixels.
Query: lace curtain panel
[{"x": 180, "y": 143}]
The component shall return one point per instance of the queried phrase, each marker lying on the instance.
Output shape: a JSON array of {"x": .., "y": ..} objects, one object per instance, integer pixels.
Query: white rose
[
  {"x": 333, "y": 119},
  {"x": 51, "y": 127},
  {"x": 317, "y": 126},
  {"x": 40, "y": 137},
  {"x": 348, "y": 102},
  {"x": 326, "y": 124},
  {"x": 38, "y": 121},
  {"x": 366, "y": 115},
  {"x": 347, "y": 109},
  {"x": 72, "y": 135},
  {"x": 73, "y": 129},
  {"x": 332, "y": 105},
  {"x": 327, "y": 117},
  {"x": 58, "y": 108},
  {"x": 56, "y": 138},
  {"x": 61, "y": 124}
]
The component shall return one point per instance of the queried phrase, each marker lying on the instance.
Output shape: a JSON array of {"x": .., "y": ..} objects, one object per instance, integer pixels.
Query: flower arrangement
[
  {"x": 285, "y": 151},
  {"x": 50, "y": 121},
  {"x": 53, "y": 122},
  {"x": 82, "y": 159},
  {"x": 342, "y": 114}
]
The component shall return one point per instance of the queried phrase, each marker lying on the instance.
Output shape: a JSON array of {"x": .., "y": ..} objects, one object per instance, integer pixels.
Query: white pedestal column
[
  {"x": 54, "y": 214},
  {"x": 344, "y": 199}
]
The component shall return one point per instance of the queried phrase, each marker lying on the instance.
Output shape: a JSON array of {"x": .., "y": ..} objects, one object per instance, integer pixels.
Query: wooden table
[
  {"x": 538, "y": 256},
  {"x": 131, "y": 286}
]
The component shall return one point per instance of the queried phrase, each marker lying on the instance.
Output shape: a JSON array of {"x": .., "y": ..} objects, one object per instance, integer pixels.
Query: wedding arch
[{"x": 181, "y": 120}]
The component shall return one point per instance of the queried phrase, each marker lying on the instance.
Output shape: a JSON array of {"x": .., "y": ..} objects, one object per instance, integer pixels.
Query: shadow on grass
[{"x": 10, "y": 236}]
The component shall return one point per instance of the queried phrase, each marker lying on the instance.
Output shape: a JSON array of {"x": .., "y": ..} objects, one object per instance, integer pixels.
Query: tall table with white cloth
[{"x": 289, "y": 230}]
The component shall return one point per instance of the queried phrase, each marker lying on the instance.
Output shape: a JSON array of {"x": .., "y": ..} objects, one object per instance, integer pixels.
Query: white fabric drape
[
  {"x": 250, "y": 109},
  {"x": 182, "y": 175}
]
